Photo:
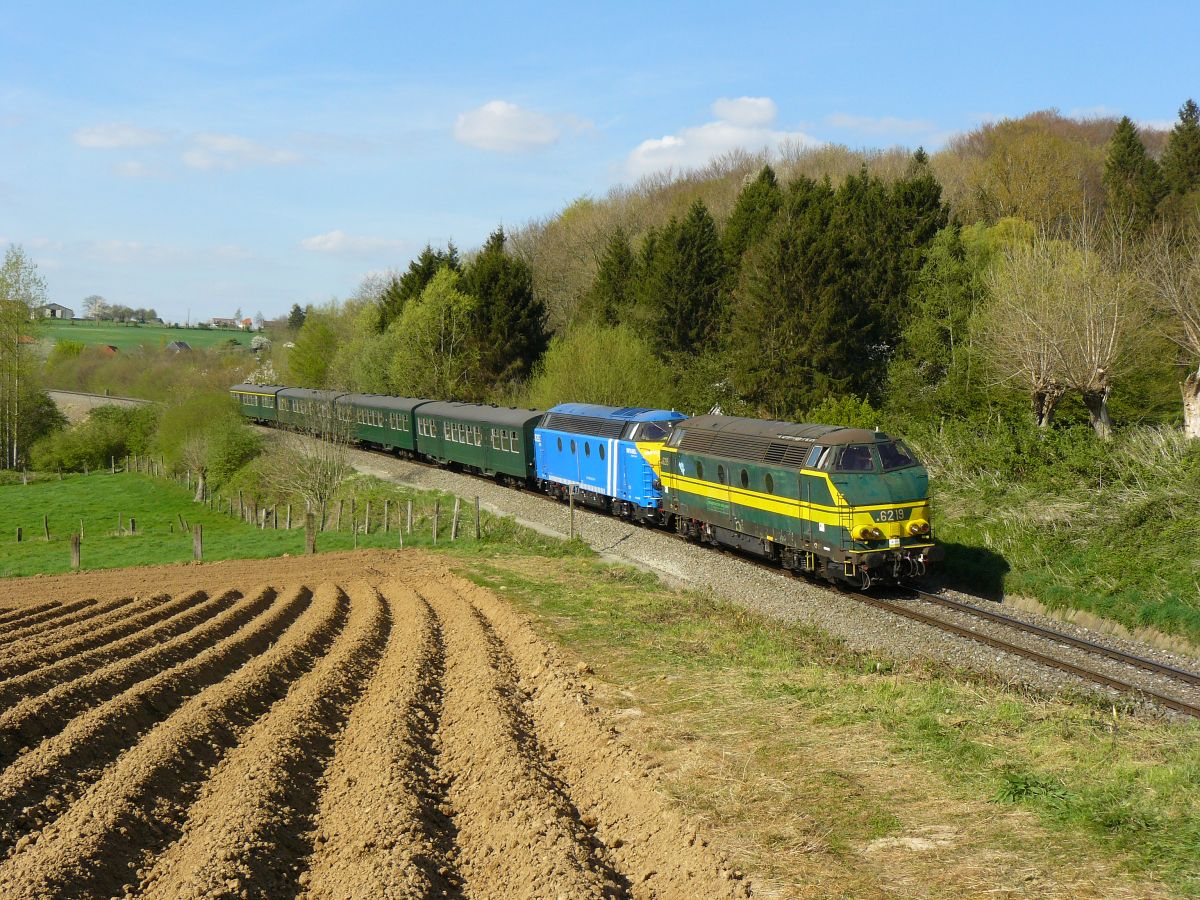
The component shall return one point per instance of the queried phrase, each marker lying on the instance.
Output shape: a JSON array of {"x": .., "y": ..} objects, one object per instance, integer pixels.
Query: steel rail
[
  {"x": 1051, "y": 634},
  {"x": 1031, "y": 655}
]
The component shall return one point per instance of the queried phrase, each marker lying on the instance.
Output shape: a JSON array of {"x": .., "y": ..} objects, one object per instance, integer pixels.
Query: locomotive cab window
[
  {"x": 648, "y": 431},
  {"x": 676, "y": 437},
  {"x": 894, "y": 455},
  {"x": 856, "y": 458}
]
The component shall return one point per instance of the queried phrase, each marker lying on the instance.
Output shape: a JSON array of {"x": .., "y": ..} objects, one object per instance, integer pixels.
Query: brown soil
[{"x": 350, "y": 725}]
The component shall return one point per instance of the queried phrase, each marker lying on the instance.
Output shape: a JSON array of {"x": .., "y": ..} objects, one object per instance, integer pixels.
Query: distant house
[
  {"x": 109, "y": 350},
  {"x": 179, "y": 346},
  {"x": 247, "y": 325},
  {"x": 54, "y": 311},
  {"x": 219, "y": 322}
]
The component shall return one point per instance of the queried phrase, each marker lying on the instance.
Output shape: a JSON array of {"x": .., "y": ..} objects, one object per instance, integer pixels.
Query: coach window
[
  {"x": 600, "y": 450},
  {"x": 587, "y": 448},
  {"x": 769, "y": 483},
  {"x": 745, "y": 479}
]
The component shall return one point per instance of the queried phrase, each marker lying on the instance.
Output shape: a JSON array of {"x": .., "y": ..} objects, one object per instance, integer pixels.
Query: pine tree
[
  {"x": 295, "y": 318},
  {"x": 1132, "y": 179},
  {"x": 1181, "y": 158},
  {"x": 410, "y": 285},
  {"x": 681, "y": 284},
  {"x": 755, "y": 209},
  {"x": 510, "y": 320},
  {"x": 612, "y": 292}
]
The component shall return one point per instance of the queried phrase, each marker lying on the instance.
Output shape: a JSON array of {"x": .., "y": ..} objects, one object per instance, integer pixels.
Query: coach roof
[
  {"x": 382, "y": 401},
  {"x": 507, "y": 416},
  {"x": 256, "y": 389}
]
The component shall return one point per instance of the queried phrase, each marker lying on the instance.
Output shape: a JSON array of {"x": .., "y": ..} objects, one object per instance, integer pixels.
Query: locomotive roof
[
  {"x": 383, "y": 401},
  {"x": 624, "y": 413},
  {"x": 476, "y": 412},
  {"x": 257, "y": 388},
  {"x": 784, "y": 431}
]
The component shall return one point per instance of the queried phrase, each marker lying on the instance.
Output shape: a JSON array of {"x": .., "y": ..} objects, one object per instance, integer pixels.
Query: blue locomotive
[{"x": 609, "y": 455}]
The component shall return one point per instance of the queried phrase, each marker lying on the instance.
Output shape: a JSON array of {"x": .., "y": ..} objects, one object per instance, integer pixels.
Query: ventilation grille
[
  {"x": 751, "y": 448},
  {"x": 607, "y": 428}
]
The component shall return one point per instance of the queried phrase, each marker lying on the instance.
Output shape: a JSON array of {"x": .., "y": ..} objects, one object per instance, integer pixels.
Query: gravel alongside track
[
  {"x": 396, "y": 732},
  {"x": 769, "y": 592}
]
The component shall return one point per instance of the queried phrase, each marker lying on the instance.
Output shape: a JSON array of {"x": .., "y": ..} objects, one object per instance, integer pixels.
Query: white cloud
[
  {"x": 230, "y": 151},
  {"x": 338, "y": 242},
  {"x": 133, "y": 168},
  {"x": 883, "y": 125},
  {"x": 748, "y": 111},
  {"x": 503, "y": 126},
  {"x": 116, "y": 136},
  {"x": 742, "y": 124}
]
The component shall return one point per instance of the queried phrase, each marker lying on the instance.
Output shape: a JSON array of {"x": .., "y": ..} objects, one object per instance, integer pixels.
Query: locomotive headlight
[
  {"x": 876, "y": 533},
  {"x": 863, "y": 532}
]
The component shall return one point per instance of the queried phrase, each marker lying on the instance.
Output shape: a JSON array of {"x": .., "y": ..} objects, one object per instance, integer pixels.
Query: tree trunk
[
  {"x": 1190, "y": 387},
  {"x": 1045, "y": 402},
  {"x": 1097, "y": 406},
  {"x": 199, "y": 485}
]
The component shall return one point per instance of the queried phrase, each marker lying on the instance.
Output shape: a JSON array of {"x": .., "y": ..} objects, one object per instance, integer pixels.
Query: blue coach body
[{"x": 608, "y": 454}]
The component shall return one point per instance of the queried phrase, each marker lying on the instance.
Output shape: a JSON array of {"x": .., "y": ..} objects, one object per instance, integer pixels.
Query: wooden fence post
[
  {"x": 476, "y": 518},
  {"x": 409, "y": 529},
  {"x": 81, "y": 529},
  {"x": 275, "y": 517},
  {"x": 288, "y": 526},
  {"x": 354, "y": 514},
  {"x": 75, "y": 551},
  {"x": 310, "y": 533},
  {"x": 197, "y": 541},
  {"x": 454, "y": 521},
  {"x": 20, "y": 533},
  {"x": 46, "y": 526},
  {"x": 367, "y": 520},
  {"x": 337, "y": 525},
  {"x": 132, "y": 525},
  {"x": 386, "y": 523},
  {"x": 113, "y": 464},
  {"x": 324, "y": 513},
  {"x": 437, "y": 509},
  {"x": 240, "y": 513},
  {"x": 120, "y": 526}
]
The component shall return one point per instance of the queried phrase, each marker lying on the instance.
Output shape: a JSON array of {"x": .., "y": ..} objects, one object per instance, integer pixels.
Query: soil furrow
[
  {"x": 8, "y": 631},
  {"x": 151, "y": 612},
  {"x": 47, "y": 676},
  {"x": 518, "y": 834},
  {"x": 138, "y": 805},
  {"x": 99, "y": 613},
  {"x": 383, "y": 829},
  {"x": 657, "y": 851},
  {"x": 147, "y": 675},
  {"x": 40, "y": 784},
  {"x": 15, "y": 615},
  {"x": 250, "y": 826}
]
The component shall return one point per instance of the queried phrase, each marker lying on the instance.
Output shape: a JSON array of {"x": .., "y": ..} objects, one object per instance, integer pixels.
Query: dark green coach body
[
  {"x": 380, "y": 420},
  {"x": 257, "y": 401},
  {"x": 494, "y": 440}
]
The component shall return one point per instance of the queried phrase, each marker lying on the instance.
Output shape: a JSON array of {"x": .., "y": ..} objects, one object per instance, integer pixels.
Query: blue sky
[{"x": 208, "y": 156}]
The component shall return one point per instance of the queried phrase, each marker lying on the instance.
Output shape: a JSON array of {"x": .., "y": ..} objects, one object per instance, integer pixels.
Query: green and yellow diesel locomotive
[{"x": 846, "y": 504}]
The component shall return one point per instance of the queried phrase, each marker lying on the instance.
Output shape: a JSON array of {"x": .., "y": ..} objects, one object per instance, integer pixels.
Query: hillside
[{"x": 132, "y": 337}]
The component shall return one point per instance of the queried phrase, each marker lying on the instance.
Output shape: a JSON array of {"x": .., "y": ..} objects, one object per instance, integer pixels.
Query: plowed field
[{"x": 351, "y": 725}]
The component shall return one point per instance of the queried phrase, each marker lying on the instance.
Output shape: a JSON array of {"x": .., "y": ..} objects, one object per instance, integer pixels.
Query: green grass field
[{"x": 130, "y": 337}]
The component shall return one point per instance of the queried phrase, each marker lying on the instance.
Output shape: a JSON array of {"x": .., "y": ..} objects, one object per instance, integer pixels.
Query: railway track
[
  {"x": 900, "y": 608},
  {"x": 1092, "y": 648}
]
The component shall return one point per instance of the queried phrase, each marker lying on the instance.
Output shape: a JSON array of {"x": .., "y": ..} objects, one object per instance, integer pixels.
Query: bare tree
[
  {"x": 314, "y": 460},
  {"x": 194, "y": 454},
  {"x": 1066, "y": 316},
  {"x": 22, "y": 289},
  {"x": 1171, "y": 268}
]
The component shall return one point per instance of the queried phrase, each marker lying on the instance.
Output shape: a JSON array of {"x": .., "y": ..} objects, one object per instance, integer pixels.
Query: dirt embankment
[{"x": 358, "y": 725}]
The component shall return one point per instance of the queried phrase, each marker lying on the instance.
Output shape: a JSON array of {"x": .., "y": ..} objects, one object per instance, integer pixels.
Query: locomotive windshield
[
  {"x": 895, "y": 455},
  {"x": 856, "y": 458},
  {"x": 649, "y": 431}
]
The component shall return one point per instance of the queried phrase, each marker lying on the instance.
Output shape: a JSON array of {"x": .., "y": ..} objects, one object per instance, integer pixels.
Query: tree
[
  {"x": 435, "y": 350},
  {"x": 295, "y": 319},
  {"x": 509, "y": 318},
  {"x": 398, "y": 291},
  {"x": 308, "y": 362},
  {"x": 1133, "y": 181},
  {"x": 22, "y": 289},
  {"x": 756, "y": 207},
  {"x": 1065, "y": 316},
  {"x": 95, "y": 306},
  {"x": 259, "y": 320},
  {"x": 682, "y": 281},
  {"x": 313, "y": 462},
  {"x": 1171, "y": 268},
  {"x": 1181, "y": 158},
  {"x": 613, "y": 289},
  {"x": 595, "y": 363},
  {"x": 237, "y": 316}
]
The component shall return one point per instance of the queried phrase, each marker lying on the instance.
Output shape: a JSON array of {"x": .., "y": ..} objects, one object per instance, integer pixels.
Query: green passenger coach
[
  {"x": 257, "y": 401},
  {"x": 492, "y": 440},
  {"x": 380, "y": 421}
]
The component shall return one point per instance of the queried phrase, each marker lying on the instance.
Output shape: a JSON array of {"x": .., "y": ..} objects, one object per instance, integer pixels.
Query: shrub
[{"x": 109, "y": 432}]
